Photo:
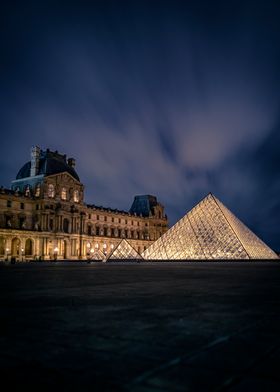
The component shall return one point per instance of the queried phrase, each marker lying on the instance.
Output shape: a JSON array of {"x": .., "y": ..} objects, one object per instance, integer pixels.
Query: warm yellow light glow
[
  {"x": 124, "y": 251},
  {"x": 51, "y": 190},
  {"x": 76, "y": 196},
  {"x": 63, "y": 194},
  {"x": 208, "y": 231},
  {"x": 37, "y": 190}
]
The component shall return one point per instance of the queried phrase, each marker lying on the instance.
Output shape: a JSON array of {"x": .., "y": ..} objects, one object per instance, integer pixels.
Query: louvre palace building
[{"x": 44, "y": 217}]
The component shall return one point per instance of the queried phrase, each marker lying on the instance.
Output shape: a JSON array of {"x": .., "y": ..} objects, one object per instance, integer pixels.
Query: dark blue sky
[{"x": 174, "y": 99}]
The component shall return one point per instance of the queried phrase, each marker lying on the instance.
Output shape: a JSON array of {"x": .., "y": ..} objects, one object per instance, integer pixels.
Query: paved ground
[{"x": 140, "y": 327}]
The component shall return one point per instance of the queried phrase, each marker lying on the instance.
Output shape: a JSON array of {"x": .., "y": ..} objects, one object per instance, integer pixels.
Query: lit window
[
  {"x": 27, "y": 190},
  {"x": 76, "y": 196},
  {"x": 51, "y": 190},
  {"x": 37, "y": 190},
  {"x": 63, "y": 194}
]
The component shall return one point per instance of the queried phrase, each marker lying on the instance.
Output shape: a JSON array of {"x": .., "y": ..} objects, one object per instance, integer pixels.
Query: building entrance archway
[
  {"x": 29, "y": 247},
  {"x": 15, "y": 247}
]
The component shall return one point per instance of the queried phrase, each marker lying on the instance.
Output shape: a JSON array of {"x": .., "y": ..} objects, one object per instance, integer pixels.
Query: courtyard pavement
[{"x": 143, "y": 327}]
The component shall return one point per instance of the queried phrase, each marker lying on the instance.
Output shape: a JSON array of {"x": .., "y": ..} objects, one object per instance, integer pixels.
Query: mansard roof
[{"x": 49, "y": 163}]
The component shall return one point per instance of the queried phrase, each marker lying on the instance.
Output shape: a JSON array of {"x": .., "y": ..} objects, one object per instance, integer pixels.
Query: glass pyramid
[
  {"x": 97, "y": 255},
  {"x": 124, "y": 251},
  {"x": 208, "y": 231}
]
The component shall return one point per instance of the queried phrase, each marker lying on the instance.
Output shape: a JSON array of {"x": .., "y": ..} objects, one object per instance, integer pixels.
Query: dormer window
[
  {"x": 27, "y": 191},
  {"x": 76, "y": 196},
  {"x": 51, "y": 191},
  {"x": 37, "y": 190},
  {"x": 63, "y": 194}
]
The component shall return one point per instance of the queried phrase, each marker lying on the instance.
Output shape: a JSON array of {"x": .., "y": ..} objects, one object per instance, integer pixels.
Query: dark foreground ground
[{"x": 140, "y": 327}]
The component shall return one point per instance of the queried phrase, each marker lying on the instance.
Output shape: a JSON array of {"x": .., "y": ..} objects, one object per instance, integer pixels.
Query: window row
[
  {"x": 115, "y": 220},
  {"x": 116, "y": 232},
  {"x": 64, "y": 194}
]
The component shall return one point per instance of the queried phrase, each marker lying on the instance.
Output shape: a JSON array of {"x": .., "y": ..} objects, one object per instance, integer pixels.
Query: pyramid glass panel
[
  {"x": 124, "y": 251},
  {"x": 97, "y": 255},
  {"x": 254, "y": 246},
  {"x": 207, "y": 232}
]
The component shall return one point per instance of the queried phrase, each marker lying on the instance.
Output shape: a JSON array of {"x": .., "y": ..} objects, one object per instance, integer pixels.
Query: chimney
[
  {"x": 35, "y": 157},
  {"x": 71, "y": 162}
]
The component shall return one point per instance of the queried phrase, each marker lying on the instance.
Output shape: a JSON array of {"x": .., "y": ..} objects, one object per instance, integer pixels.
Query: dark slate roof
[
  {"x": 50, "y": 163},
  {"x": 143, "y": 205}
]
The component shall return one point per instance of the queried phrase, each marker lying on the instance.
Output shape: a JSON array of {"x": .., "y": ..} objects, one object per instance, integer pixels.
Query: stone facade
[{"x": 44, "y": 217}]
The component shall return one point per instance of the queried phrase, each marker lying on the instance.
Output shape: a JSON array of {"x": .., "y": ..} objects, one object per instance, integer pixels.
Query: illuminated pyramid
[
  {"x": 208, "y": 231},
  {"x": 124, "y": 251},
  {"x": 97, "y": 255}
]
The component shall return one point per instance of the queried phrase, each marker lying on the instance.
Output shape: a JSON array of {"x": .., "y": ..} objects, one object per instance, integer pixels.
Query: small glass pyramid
[
  {"x": 124, "y": 251},
  {"x": 97, "y": 255},
  {"x": 208, "y": 231}
]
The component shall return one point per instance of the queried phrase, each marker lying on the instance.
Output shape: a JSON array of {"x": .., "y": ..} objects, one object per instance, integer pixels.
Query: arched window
[
  {"x": 37, "y": 190},
  {"x": 27, "y": 190},
  {"x": 66, "y": 225},
  {"x": 63, "y": 193},
  {"x": 51, "y": 191},
  {"x": 76, "y": 196},
  {"x": 89, "y": 229},
  {"x": 15, "y": 246},
  {"x": 29, "y": 247},
  {"x": 8, "y": 221}
]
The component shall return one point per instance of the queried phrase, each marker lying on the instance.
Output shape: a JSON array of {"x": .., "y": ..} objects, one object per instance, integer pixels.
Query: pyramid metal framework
[
  {"x": 124, "y": 251},
  {"x": 208, "y": 231},
  {"x": 97, "y": 255}
]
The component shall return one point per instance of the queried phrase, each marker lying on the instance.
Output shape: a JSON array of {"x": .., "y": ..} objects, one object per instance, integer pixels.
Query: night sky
[{"x": 174, "y": 99}]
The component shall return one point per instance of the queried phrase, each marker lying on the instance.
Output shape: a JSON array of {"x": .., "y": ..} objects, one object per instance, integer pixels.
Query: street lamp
[
  {"x": 88, "y": 250},
  {"x": 22, "y": 250},
  {"x": 55, "y": 252}
]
